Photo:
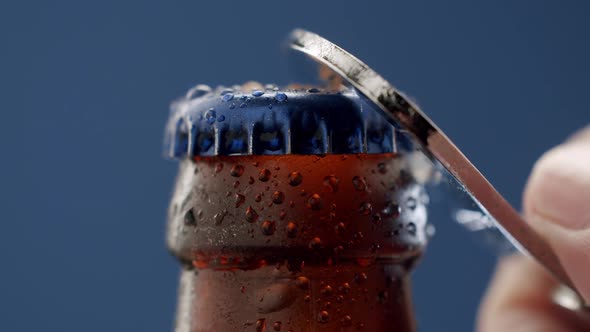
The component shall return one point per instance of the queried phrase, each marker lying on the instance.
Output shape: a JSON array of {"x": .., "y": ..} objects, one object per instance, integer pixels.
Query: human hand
[{"x": 557, "y": 205}]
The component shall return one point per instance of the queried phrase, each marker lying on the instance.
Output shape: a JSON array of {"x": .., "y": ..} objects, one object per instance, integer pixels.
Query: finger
[
  {"x": 557, "y": 205},
  {"x": 519, "y": 300},
  {"x": 583, "y": 134}
]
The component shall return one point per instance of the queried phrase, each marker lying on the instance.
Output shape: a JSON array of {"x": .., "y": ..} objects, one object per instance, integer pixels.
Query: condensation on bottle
[{"x": 299, "y": 210}]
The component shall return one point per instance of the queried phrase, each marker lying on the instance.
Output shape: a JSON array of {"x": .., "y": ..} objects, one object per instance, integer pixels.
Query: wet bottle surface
[{"x": 296, "y": 241}]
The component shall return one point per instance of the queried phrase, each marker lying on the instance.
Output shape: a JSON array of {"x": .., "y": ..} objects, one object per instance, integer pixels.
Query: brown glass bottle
[{"x": 296, "y": 242}]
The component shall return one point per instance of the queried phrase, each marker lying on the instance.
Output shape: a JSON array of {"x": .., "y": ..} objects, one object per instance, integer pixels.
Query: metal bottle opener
[{"x": 402, "y": 112}]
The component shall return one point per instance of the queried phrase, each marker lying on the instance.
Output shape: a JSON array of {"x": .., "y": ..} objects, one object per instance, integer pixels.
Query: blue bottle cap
[{"x": 273, "y": 121}]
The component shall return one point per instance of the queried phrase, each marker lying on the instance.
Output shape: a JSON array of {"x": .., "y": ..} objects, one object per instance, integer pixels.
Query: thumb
[{"x": 557, "y": 205}]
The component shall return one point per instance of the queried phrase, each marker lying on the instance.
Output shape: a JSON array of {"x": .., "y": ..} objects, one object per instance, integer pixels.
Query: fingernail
[{"x": 559, "y": 187}]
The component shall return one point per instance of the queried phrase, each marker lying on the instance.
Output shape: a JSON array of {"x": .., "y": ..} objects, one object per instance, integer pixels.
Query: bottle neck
[
  {"x": 371, "y": 298},
  {"x": 297, "y": 242}
]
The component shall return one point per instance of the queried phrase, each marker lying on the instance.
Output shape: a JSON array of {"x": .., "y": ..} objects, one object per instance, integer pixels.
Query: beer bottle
[{"x": 295, "y": 209}]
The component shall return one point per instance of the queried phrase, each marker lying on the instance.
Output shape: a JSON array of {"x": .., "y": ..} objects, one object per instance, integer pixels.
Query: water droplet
[
  {"x": 366, "y": 209},
  {"x": 275, "y": 297},
  {"x": 268, "y": 227},
  {"x": 258, "y": 198},
  {"x": 383, "y": 296},
  {"x": 346, "y": 321},
  {"x": 218, "y": 168},
  {"x": 394, "y": 232},
  {"x": 218, "y": 217},
  {"x": 345, "y": 288},
  {"x": 411, "y": 228},
  {"x": 430, "y": 230},
  {"x": 315, "y": 243},
  {"x": 277, "y": 326},
  {"x": 391, "y": 210},
  {"x": 264, "y": 175},
  {"x": 251, "y": 215},
  {"x": 210, "y": 116},
  {"x": 314, "y": 202},
  {"x": 292, "y": 229},
  {"x": 411, "y": 203},
  {"x": 261, "y": 325},
  {"x": 227, "y": 97},
  {"x": 242, "y": 105},
  {"x": 280, "y": 96},
  {"x": 221, "y": 118},
  {"x": 237, "y": 170},
  {"x": 326, "y": 290},
  {"x": 257, "y": 93},
  {"x": 302, "y": 282},
  {"x": 239, "y": 199},
  {"x": 359, "y": 278},
  {"x": 236, "y": 184},
  {"x": 359, "y": 183},
  {"x": 313, "y": 90},
  {"x": 189, "y": 218},
  {"x": 198, "y": 91},
  {"x": 295, "y": 178},
  {"x": 375, "y": 247},
  {"x": 376, "y": 219},
  {"x": 323, "y": 316},
  {"x": 278, "y": 197},
  {"x": 389, "y": 280},
  {"x": 331, "y": 181},
  {"x": 382, "y": 168},
  {"x": 340, "y": 228},
  {"x": 307, "y": 298},
  {"x": 250, "y": 180}
]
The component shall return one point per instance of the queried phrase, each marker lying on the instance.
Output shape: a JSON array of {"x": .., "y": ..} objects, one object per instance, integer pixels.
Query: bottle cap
[{"x": 273, "y": 121}]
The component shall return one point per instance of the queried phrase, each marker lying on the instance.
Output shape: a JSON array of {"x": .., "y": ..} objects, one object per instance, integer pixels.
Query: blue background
[{"x": 84, "y": 94}]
